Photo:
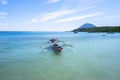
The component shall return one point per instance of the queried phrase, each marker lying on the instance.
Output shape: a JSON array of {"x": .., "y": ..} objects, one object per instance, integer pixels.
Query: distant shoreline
[{"x": 111, "y": 29}]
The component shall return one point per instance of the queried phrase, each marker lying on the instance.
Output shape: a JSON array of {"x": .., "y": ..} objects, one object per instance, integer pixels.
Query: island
[{"x": 92, "y": 28}]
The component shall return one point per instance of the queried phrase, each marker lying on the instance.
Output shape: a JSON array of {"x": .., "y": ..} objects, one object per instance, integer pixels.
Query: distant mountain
[
  {"x": 91, "y": 28},
  {"x": 87, "y": 25}
]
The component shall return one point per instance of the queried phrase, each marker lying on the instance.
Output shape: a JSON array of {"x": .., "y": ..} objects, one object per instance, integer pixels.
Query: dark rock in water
[
  {"x": 87, "y": 25},
  {"x": 103, "y": 35}
]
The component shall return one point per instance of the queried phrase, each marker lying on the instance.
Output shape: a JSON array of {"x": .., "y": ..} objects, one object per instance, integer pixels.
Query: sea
[{"x": 93, "y": 56}]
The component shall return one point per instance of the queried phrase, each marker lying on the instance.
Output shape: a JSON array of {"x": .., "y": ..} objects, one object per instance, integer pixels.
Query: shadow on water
[
  {"x": 54, "y": 51},
  {"x": 57, "y": 53}
]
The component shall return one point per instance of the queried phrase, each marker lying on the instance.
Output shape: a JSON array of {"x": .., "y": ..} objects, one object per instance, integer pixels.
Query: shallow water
[{"x": 93, "y": 56}]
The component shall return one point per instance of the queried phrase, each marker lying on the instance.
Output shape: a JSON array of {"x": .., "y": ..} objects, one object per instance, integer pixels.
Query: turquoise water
[{"x": 93, "y": 57}]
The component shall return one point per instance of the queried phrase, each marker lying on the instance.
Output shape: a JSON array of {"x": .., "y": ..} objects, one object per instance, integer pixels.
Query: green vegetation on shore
[{"x": 109, "y": 29}]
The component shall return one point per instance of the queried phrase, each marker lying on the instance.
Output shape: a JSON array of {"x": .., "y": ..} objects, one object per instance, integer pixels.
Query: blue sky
[{"x": 57, "y": 15}]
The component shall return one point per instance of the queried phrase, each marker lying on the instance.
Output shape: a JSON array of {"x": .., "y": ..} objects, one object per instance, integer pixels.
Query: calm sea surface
[{"x": 94, "y": 56}]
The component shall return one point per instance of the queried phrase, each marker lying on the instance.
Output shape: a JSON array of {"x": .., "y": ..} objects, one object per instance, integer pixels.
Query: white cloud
[
  {"x": 50, "y": 16},
  {"x": 33, "y": 20},
  {"x": 108, "y": 17},
  {"x": 73, "y": 4},
  {"x": 52, "y": 1},
  {"x": 4, "y": 2},
  {"x": 77, "y": 17},
  {"x": 60, "y": 13},
  {"x": 56, "y": 14},
  {"x": 86, "y": 8},
  {"x": 3, "y": 15},
  {"x": 2, "y": 24},
  {"x": 89, "y": 1}
]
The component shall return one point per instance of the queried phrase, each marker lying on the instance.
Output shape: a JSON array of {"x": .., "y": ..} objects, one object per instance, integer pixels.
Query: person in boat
[
  {"x": 53, "y": 41},
  {"x": 56, "y": 47}
]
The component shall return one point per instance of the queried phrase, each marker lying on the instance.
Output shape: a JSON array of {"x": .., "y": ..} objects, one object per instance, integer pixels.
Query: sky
[{"x": 57, "y": 15}]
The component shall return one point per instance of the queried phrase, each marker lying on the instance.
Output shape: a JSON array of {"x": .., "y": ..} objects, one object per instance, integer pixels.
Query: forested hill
[{"x": 99, "y": 29}]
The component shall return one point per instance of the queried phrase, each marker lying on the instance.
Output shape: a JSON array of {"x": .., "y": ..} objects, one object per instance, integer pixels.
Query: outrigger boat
[
  {"x": 54, "y": 44},
  {"x": 57, "y": 48}
]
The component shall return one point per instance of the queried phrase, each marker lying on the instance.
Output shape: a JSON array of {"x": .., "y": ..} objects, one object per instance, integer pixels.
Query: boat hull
[{"x": 57, "y": 48}]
